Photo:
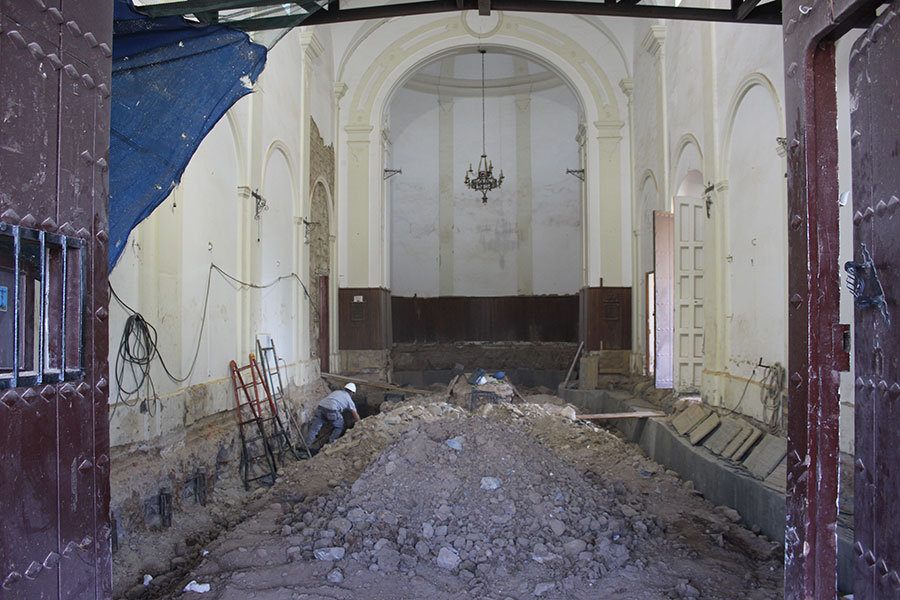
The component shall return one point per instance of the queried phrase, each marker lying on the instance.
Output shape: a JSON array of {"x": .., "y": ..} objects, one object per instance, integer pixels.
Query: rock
[
  {"x": 422, "y": 549},
  {"x": 490, "y": 483},
  {"x": 427, "y": 531},
  {"x": 136, "y": 591},
  {"x": 543, "y": 587},
  {"x": 388, "y": 559},
  {"x": 574, "y": 547},
  {"x": 557, "y": 526},
  {"x": 628, "y": 512},
  {"x": 335, "y": 576},
  {"x": 731, "y": 514},
  {"x": 455, "y": 443},
  {"x": 340, "y": 525},
  {"x": 332, "y": 553},
  {"x": 390, "y": 468},
  {"x": 356, "y": 514},
  {"x": 448, "y": 558}
]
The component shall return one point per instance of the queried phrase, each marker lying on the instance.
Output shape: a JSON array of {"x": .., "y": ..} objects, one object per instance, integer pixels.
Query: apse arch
[{"x": 536, "y": 41}]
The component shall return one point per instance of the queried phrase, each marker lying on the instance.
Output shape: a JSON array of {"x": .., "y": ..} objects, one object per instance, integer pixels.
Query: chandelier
[{"x": 484, "y": 181}]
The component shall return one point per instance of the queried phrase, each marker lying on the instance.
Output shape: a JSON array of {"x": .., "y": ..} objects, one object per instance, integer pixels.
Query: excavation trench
[{"x": 517, "y": 500}]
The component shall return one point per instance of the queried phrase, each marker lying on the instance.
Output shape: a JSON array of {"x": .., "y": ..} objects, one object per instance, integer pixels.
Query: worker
[{"x": 330, "y": 411}]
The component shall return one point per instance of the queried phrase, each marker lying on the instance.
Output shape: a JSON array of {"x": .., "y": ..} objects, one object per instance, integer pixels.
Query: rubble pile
[
  {"x": 513, "y": 501},
  {"x": 486, "y": 504}
]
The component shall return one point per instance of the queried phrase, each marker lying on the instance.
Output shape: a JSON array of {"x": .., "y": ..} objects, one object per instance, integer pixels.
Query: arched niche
[
  {"x": 274, "y": 231},
  {"x": 757, "y": 234}
]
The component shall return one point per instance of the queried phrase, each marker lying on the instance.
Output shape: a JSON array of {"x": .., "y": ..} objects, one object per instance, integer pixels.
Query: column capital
[
  {"x": 655, "y": 40},
  {"x": 627, "y": 86},
  {"x": 310, "y": 45},
  {"x": 609, "y": 129},
  {"x": 339, "y": 89},
  {"x": 359, "y": 133}
]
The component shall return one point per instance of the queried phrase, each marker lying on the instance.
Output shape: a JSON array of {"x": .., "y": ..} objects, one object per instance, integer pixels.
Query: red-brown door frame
[{"x": 815, "y": 335}]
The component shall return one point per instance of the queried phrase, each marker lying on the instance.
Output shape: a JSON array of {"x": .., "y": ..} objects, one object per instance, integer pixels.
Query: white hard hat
[{"x": 350, "y": 387}]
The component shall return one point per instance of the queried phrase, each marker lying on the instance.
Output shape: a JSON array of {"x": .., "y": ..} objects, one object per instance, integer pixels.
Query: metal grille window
[{"x": 42, "y": 303}]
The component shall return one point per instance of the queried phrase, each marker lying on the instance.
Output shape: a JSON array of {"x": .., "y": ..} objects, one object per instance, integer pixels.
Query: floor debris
[{"x": 526, "y": 502}]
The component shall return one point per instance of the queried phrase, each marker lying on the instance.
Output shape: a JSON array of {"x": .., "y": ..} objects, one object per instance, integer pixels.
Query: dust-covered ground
[{"x": 514, "y": 501}]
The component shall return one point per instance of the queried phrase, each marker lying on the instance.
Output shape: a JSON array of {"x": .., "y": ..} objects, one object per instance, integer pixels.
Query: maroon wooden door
[
  {"x": 664, "y": 267},
  {"x": 875, "y": 84},
  {"x": 324, "y": 346},
  {"x": 55, "y": 61}
]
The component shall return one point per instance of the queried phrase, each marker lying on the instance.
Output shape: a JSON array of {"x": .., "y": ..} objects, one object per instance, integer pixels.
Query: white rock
[
  {"x": 490, "y": 483},
  {"x": 544, "y": 587},
  {"x": 335, "y": 576},
  {"x": 333, "y": 553},
  {"x": 200, "y": 588},
  {"x": 448, "y": 558},
  {"x": 147, "y": 579}
]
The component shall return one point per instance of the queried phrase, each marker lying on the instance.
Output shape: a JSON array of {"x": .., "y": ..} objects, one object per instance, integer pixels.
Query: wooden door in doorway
[
  {"x": 324, "y": 330},
  {"x": 664, "y": 301}
]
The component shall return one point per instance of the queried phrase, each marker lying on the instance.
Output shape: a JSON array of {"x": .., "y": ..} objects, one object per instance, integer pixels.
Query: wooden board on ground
[
  {"x": 689, "y": 418},
  {"x": 704, "y": 428},
  {"x": 375, "y": 384},
  {"x": 766, "y": 456},
  {"x": 728, "y": 429},
  {"x": 640, "y": 414}
]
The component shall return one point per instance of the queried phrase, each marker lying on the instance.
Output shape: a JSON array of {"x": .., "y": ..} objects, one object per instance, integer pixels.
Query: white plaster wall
[
  {"x": 415, "y": 251},
  {"x": 209, "y": 219},
  {"x": 485, "y": 236},
  {"x": 278, "y": 317},
  {"x": 757, "y": 252},
  {"x": 556, "y": 217}
]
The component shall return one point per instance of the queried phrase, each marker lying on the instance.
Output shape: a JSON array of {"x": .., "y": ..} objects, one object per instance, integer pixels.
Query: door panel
[
  {"x": 55, "y": 62},
  {"x": 875, "y": 85},
  {"x": 689, "y": 217},
  {"x": 664, "y": 268}
]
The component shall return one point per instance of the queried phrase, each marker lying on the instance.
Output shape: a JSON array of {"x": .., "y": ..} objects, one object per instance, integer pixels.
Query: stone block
[
  {"x": 738, "y": 440},
  {"x": 689, "y": 418},
  {"x": 765, "y": 457},
  {"x": 704, "y": 428},
  {"x": 718, "y": 441},
  {"x": 588, "y": 371},
  {"x": 755, "y": 434}
]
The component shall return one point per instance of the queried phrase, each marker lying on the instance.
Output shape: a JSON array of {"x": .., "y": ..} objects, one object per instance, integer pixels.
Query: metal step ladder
[
  {"x": 257, "y": 461},
  {"x": 271, "y": 372}
]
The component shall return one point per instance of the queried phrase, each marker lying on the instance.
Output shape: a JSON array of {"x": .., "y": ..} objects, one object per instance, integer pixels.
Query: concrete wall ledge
[{"x": 719, "y": 481}]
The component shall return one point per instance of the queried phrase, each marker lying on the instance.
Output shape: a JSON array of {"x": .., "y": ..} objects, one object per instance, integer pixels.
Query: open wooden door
[
  {"x": 55, "y": 63},
  {"x": 875, "y": 84},
  {"x": 664, "y": 267},
  {"x": 689, "y": 287},
  {"x": 324, "y": 330}
]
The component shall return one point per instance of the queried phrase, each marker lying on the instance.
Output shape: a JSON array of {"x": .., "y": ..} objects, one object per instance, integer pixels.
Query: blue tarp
[{"x": 171, "y": 82}]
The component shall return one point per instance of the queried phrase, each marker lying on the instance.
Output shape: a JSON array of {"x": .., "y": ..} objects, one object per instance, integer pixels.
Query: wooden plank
[
  {"x": 375, "y": 384},
  {"x": 572, "y": 366},
  {"x": 639, "y": 414}
]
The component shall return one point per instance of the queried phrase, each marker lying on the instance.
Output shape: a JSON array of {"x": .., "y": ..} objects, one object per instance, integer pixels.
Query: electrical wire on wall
[
  {"x": 773, "y": 397},
  {"x": 772, "y": 394},
  {"x": 138, "y": 346}
]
